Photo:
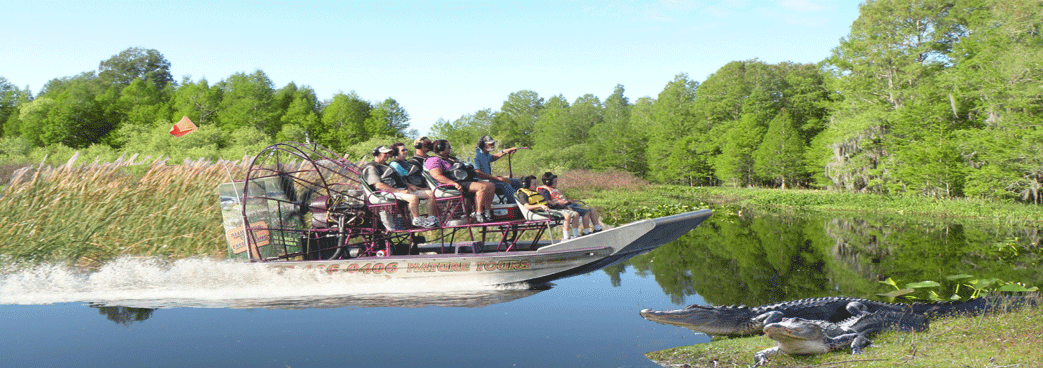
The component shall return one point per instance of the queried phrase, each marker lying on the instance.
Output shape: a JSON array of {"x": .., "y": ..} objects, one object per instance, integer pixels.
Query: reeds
[{"x": 85, "y": 214}]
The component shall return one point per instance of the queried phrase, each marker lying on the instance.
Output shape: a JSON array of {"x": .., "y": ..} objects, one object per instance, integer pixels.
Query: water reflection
[
  {"x": 123, "y": 315},
  {"x": 755, "y": 258},
  {"x": 457, "y": 299}
]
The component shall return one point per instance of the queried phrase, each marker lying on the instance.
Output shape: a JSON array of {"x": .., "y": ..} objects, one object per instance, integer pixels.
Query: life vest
[
  {"x": 414, "y": 170},
  {"x": 385, "y": 173},
  {"x": 534, "y": 197},
  {"x": 555, "y": 194}
]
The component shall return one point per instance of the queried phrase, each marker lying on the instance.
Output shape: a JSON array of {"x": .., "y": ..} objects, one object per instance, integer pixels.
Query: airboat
[{"x": 302, "y": 206}]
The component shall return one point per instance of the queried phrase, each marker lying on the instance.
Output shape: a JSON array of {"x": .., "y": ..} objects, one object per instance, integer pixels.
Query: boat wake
[{"x": 208, "y": 283}]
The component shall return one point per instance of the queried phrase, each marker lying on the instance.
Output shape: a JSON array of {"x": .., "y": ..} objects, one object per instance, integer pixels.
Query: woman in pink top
[{"x": 440, "y": 164}]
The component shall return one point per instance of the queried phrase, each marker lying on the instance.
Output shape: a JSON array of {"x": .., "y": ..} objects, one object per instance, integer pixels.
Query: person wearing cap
[
  {"x": 382, "y": 177},
  {"x": 483, "y": 159},
  {"x": 587, "y": 214}
]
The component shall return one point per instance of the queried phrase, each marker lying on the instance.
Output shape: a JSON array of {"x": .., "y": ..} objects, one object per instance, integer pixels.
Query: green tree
[
  {"x": 388, "y": 118},
  {"x": 144, "y": 103},
  {"x": 300, "y": 112},
  {"x": 71, "y": 114},
  {"x": 895, "y": 48},
  {"x": 463, "y": 133},
  {"x": 550, "y": 129},
  {"x": 670, "y": 157},
  {"x": 343, "y": 121},
  {"x": 136, "y": 63},
  {"x": 735, "y": 164},
  {"x": 513, "y": 126},
  {"x": 11, "y": 97},
  {"x": 994, "y": 82},
  {"x": 615, "y": 143},
  {"x": 780, "y": 155},
  {"x": 248, "y": 100},
  {"x": 198, "y": 101}
]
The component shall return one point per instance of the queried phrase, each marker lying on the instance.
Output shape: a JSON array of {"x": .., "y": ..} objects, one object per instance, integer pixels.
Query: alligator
[
  {"x": 735, "y": 321},
  {"x": 804, "y": 336}
]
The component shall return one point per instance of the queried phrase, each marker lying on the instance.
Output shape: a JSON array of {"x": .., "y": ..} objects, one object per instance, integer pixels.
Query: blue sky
[{"x": 437, "y": 59}]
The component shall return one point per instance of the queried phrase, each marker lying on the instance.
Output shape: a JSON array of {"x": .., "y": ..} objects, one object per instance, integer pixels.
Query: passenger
[
  {"x": 422, "y": 146},
  {"x": 413, "y": 175},
  {"x": 528, "y": 197},
  {"x": 483, "y": 160},
  {"x": 589, "y": 215},
  {"x": 382, "y": 177},
  {"x": 439, "y": 167}
]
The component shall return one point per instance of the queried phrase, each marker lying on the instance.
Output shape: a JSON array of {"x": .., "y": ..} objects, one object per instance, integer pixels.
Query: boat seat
[
  {"x": 384, "y": 205},
  {"x": 452, "y": 203},
  {"x": 533, "y": 216}
]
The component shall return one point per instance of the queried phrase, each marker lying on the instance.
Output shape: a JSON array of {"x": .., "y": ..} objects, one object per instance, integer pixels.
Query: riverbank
[
  {"x": 997, "y": 212},
  {"x": 997, "y": 340},
  {"x": 87, "y": 213}
]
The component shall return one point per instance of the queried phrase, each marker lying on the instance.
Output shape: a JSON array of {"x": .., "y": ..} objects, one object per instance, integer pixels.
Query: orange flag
[{"x": 183, "y": 127}]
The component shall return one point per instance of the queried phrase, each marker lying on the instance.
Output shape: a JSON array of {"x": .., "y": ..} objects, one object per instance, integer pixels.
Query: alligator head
[
  {"x": 799, "y": 336},
  {"x": 718, "y": 321}
]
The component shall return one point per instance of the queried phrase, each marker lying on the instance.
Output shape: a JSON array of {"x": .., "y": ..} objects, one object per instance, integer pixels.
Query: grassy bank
[
  {"x": 615, "y": 192},
  {"x": 87, "y": 213},
  {"x": 998, "y": 340}
]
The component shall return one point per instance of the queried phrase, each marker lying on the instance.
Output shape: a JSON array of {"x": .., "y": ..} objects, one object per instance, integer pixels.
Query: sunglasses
[{"x": 403, "y": 150}]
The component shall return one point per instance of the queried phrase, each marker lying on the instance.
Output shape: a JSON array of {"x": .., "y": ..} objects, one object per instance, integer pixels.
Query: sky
[{"x": 437, "y": 59}]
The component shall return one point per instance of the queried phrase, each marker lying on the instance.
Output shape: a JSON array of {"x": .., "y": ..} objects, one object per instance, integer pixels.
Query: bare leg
[{"x": 413, "y": 201}]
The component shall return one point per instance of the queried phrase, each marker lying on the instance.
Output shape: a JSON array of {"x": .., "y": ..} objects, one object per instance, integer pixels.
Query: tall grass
[{"x": 86, "y": 213}]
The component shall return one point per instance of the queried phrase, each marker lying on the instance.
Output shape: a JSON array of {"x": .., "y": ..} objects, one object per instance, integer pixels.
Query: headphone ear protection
[
  {"x": 441, "y": 145},
  {"x": 548, "y": 178},
  {"x": 419, "y": 143},
  {"x": 527, "y": 181}
]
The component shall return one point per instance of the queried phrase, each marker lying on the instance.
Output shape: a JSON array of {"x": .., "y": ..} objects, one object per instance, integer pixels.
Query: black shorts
[{"x": 466, "y": 184}]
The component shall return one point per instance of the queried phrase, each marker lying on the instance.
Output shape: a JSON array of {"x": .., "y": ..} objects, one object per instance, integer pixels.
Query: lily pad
[
  {"x": 898, "y": 293},
  {"x": 922, "y": 284}
]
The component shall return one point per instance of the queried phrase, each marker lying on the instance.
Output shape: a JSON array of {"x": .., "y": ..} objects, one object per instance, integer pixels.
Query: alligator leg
[
  {"x": 762, "y": 356},
  {"x": 765, "y": 318},
  {"x": 856, "y": 341}
]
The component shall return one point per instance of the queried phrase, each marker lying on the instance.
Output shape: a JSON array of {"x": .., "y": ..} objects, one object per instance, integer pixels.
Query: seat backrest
[
  {"x": 530, "y": 215},
  {"x": 372, "y": 197},
  {"x": 440, "y": 191}
]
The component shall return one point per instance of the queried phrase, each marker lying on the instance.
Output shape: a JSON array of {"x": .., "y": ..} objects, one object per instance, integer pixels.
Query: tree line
[
  {"x": 923, "y": 97},
  {"x": 132, "y": 98}
]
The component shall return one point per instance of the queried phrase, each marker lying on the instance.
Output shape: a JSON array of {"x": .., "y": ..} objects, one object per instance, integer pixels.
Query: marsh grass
[
  {"x": 996, "y": 340},
  {"x": 997, "y": 212},
  {"x": 87, "y": 213}
]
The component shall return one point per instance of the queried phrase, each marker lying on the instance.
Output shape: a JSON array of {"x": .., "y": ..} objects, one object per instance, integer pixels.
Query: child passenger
[
  {"x": 528, "y": 197},
  {"x": 549, "y": 190}
]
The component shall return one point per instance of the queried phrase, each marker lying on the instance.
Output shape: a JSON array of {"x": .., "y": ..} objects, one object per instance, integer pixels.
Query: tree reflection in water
[
  {"x": 744, "y": 257},
  {"x": 123, "y": 315}
]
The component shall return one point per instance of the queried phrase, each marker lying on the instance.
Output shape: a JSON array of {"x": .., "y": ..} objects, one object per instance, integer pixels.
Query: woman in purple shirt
[{"x": 440, "y": 164}]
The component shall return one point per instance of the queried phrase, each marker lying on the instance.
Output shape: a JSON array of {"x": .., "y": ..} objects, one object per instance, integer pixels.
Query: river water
[
  {"x": 137, "y": 312},
  {"x": 140, "y": 312}
]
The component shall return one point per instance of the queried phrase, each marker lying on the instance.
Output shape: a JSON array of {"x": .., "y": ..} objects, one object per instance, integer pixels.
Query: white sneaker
[
  {"x": 419, "y": 222},
  {"x": 430, "y": 222}
]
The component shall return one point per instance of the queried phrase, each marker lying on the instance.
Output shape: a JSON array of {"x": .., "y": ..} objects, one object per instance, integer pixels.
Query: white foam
[{"x": 201, "y": 282}]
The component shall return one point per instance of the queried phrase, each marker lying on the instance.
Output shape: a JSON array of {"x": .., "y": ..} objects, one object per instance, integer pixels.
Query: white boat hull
[{"x": 550, "y": 262}]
